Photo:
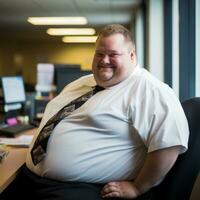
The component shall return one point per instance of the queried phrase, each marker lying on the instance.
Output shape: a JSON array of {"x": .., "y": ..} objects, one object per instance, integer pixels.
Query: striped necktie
[{"x": 38, "y": 152}]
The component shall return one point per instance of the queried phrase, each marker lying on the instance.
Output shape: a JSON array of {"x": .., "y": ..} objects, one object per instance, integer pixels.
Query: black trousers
[{"x": 29, "y": 186}]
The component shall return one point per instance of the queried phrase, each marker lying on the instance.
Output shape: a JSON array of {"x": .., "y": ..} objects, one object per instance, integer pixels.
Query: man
[{"x": 123, "y": 140}]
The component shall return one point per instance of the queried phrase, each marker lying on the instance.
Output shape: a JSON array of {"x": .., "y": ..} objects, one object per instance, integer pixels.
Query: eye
[
  {"x": 113, "y": 55},
  {"x": 98, "y": 54}
]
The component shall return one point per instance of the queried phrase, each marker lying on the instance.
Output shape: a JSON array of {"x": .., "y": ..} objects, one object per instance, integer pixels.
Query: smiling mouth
[{"x": 106, "y": 67}]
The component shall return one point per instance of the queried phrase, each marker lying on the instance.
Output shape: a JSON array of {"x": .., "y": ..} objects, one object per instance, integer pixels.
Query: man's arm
[{"x": 156, "y": 166}]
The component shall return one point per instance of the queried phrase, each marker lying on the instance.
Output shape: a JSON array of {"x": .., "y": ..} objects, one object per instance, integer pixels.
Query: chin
[{"x": 105, "y": 83}]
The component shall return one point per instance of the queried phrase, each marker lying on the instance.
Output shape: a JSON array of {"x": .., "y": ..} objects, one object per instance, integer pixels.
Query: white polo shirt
[{"x": 109, "y": 136}]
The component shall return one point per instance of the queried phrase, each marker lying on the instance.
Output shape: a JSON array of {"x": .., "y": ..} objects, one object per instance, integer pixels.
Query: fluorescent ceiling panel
[
  {"x": 57, "y": 20},
  {"x": 71, "y": 31},
  {"x": 79, "y": 39}
]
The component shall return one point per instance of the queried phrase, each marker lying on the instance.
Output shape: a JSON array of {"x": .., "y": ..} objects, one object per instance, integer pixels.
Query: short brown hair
[{"x": 115, "y": 29}]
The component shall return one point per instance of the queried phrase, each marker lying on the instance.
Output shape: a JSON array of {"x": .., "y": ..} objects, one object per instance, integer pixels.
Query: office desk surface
[
  {"x": 12, "y": 163},
  {"x": 10, "y": 166}
]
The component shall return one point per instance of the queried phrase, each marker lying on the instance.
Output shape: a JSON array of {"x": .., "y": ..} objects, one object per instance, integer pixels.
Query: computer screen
[
  {"x": 66, "y": 73},
  {"x": 13, "y": 89}
]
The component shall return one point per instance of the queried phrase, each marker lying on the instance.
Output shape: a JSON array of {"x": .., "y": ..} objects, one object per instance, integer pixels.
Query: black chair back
[{"x": 179, "y": 182}]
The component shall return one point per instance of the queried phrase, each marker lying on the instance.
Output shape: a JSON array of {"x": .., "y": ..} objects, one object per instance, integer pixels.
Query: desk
[{"x": 12, "y": 163}]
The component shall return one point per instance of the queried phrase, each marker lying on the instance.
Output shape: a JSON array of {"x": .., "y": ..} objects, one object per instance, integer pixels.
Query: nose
[{"x": 106, "y": 59}]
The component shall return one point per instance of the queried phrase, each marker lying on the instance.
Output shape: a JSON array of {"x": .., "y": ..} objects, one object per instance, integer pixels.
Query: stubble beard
[{"x": 105, "y": 73}]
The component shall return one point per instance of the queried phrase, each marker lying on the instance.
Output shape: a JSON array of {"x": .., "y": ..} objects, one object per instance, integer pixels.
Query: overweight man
[{"x": 112, "y": 134}]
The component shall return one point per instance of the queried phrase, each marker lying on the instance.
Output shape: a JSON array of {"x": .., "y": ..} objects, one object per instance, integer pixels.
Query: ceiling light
[
  {"x": 57, "y": 20},
  {"x": 79, "y": 39},
  {"x": 71, "y": 31}
]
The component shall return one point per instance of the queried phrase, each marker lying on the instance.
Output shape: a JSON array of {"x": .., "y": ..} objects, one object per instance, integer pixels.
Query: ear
[{"x": 132, "y": 55}]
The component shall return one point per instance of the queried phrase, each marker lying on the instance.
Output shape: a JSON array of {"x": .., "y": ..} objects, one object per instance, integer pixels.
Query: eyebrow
[{"x": 109, "y": 51}]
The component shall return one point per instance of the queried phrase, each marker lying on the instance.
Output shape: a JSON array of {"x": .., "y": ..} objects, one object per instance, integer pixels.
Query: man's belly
[{"x": 92, "y": 155}]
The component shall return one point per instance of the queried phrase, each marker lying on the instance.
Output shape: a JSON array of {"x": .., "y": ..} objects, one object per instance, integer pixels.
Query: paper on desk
[
  {"x": 23, "y": 140},
  {"x": 3, "y": 152}
]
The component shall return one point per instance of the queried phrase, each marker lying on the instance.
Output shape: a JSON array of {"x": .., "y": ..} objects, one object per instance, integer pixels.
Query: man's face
[{"x": 113, "y": 61}]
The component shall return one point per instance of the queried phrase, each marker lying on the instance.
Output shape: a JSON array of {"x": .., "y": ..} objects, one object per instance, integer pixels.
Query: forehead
[{"x": 115, "y": 42}]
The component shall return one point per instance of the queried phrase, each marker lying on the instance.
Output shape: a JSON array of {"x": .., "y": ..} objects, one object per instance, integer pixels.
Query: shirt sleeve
[{"x": 164, "y": 122}]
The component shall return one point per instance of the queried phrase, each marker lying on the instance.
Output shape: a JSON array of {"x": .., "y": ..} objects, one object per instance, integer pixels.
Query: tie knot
[{"x": 97, "y": 89}]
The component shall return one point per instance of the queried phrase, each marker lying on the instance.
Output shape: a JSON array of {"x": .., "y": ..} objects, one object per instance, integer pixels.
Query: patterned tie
[{"x": 38, "y": 152}]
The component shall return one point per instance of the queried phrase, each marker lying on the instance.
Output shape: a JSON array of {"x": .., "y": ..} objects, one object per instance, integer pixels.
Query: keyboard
[{"x": 11, "y": 131}]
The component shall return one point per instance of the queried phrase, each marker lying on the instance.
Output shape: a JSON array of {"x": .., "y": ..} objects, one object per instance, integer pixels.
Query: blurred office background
[{"x": 166, "y": 32}]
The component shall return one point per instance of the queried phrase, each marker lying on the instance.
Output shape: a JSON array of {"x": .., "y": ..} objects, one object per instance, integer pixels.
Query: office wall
[
  {"x": 197, "y": 48},
  {"x": 22, "y": 57},
  {"x": 154, "y": 38},
  {"x": 175, "y": 46},
  {"x": 140, "y": 37},
  {"x": 6, "y": 59}
]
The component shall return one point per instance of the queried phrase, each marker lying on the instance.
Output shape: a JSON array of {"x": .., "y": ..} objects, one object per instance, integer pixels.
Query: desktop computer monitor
[
  {"x": 13, "y": 89},
  {"x": 12, "y": 97},
  {"x": 66, "y": 73}
]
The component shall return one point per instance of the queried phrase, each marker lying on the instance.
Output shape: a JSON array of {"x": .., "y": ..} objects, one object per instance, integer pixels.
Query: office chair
[{"x": 179, "y": 182}]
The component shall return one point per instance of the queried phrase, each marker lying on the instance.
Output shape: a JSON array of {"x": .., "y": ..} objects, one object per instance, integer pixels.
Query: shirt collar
[{"x": 90, "y": 81}]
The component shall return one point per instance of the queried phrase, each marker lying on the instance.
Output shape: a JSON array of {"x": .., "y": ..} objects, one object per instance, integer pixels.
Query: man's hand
[
  {"x": 156, "y": 166},
  {"x": 121, "y": 189}
]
